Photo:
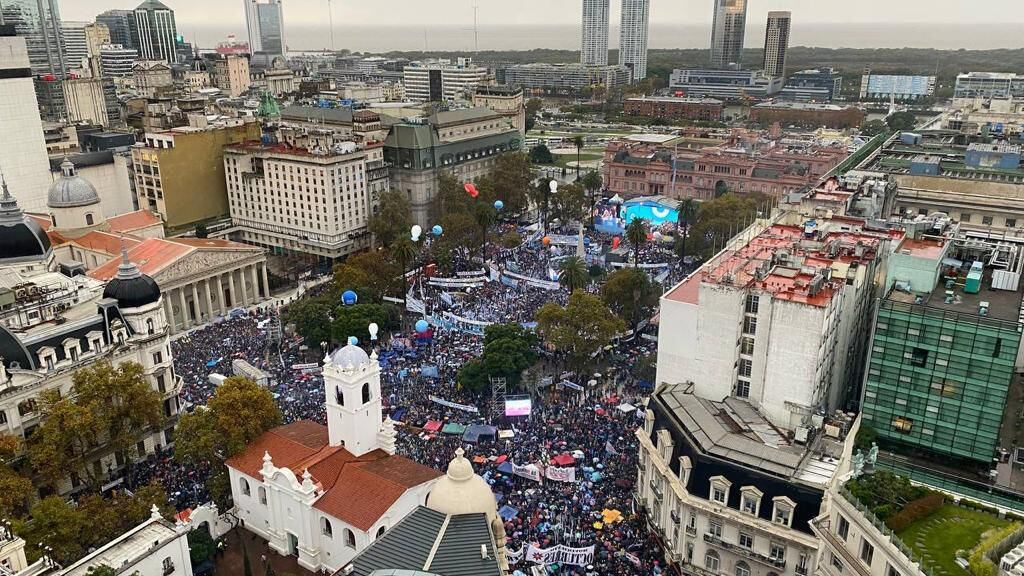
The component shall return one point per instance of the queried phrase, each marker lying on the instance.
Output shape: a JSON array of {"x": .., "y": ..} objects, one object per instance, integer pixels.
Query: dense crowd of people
[{"x": 586, "y": 423}]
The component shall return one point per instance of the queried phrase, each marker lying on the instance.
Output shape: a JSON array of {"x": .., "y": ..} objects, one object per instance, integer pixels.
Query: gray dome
[
  {"x": 350, "y": 355},
  {"x": 71, "y": 190}
]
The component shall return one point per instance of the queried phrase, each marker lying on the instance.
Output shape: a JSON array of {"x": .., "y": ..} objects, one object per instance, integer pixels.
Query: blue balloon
[
  {"x": 353, "y": 340},
  {"x": 498, "y": 204},
  {"x": 437, "y": 230},
  {"x": 421, "y": 326},
  {"x": 349, "y": 298}
]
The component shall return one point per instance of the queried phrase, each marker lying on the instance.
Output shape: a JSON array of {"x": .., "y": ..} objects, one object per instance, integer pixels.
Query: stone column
[
  {"x": 169, "y": 313},
  {"x": 231, "y": 288},
  {"x": 255, "y": 284},
  {"x": 266, "y": 281},
  {"x": 220, "y": 296},
  {"x": 184, "y": 309},
  {"x": 196, "y": 304},
  {"x": 209, "y": 301},
  {"x": 241, "y": 281}
]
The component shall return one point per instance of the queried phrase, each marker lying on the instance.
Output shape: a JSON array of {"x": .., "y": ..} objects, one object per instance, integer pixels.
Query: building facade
[
  {"x": 116, "y": 61},
  {"x": 75, "y": 44},
  {"x": 23, "y": 157},
  {"x": 594, "y": 33},
  {"x": 91, "y": 100},
  {"x": 462, "y": 143},
  {"x": 724, "y": 84},
  {"x": 899, "y": 88},
  {"x": 39, "y": 23},
  {"x": 807, "y": 114},
  {"x": 724, "y": 492},
  {"x": 565, "y": 77},
  {"x": 119, "y": 24},
  {"x": 151, "y": 76},
  {"x": 505, "y": 100},
  {"x": 675, "y": 108},
  {"x": 154, "y": 32},
  {"x": 327, "y": 213},
  {"x": 231, "y": 74},
  {"x": 819, "y": 85},
  {"x": 780, "y": 320},
  {"x": 265, "y": 22},
  {"x": 728, "y": 27},
  {"x": 441, "y": 80},
  {"x": 325, "y": 493},
  {"x": 179, "y": 173},
  {"x": 999, "y": 85},
  {"x": 776, "y": 43}
]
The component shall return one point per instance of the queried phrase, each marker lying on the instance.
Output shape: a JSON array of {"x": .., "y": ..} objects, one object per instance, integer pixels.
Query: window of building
[
  {"x": 719, "y": 490},
  {"x": 752, "y": 303},
  {"x": 783, "y": 512},
  {"x": 777, "y": 552},
  {"x": 746, "y": 540},
  {"x": 742, "y": 389},
  {"x": 350, "y": 538},
  {"x": 843, "y": 527},
  {"x": 867, "y": 551},
  {"x": 243, "y": 484},
  {"x": 742, "y": 569},
  {"x": 712, "y": 561},
  {"x": 262, "y": 493},
  {"x": 1011, "y": 222},
  {"x": 901, "y": 424},
  {"x": 965, "y": 217},
  {"x": 158, "y": 357},
  {"x": 750, "y": 500},
  {"x": 746, "y": 345},
  {"x": 3, "y": 417},
  {"x": 918, "y": 357},
  {"x": 366, "y": 393},
  {"x": 745, "y": 367},
  {"x": 715, "y": 529},
  {"x": 890, "y": 571},
  {"x": 168, "y": 566},
  {"x": 986, "y": 220},
  {"x": 837, "y": 563},
  {"x": 750, "y": 325}
]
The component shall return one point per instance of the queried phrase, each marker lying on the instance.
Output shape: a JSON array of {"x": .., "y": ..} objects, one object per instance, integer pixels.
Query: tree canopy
[
  {"x": 541, "y": 154},
  {"x": 394, "y": 219},
  {"x": 719, "y": 219},
  {"x": 573, "y": 273},
  {"x": 630, "y": 293},
  {"x": 580, "y": 329},
  {"x": 508, "y": 350}
]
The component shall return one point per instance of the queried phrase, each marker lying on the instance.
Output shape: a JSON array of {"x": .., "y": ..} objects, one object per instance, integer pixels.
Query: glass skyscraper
[
  {"x": 38, "y": 22},
  {"x": 727, "y": 30},
  {"x": 265, "y": 22}
]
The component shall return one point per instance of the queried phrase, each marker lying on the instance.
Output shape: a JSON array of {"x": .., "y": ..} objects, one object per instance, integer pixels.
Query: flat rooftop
[
  {"x": 927, "y": 248},
  {"x": 734, "y": 430},
  {"x": 676, "y": 100},
  {"x": 125, "y": 550},
  {"x": 1002, "y": 304}
]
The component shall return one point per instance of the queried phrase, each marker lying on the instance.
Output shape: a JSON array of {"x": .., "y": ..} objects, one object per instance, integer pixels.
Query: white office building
[
  {"x": 23, "y": 160},
  {"x": 441, "y": 80},
  {"x": 310, "y": 192},
  {"x": 75, "y": 44},
  {"x": 594, "y": 41},
  {"x": 265, "y": 22},
  {"x": 633, "y": 37},
  {"x": 116, "y": 61}
]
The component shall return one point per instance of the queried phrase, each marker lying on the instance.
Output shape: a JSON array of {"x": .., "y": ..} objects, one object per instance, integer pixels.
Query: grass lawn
[
  {"x": 937, "y": 537},
  {"x": 564, "y": 159}
]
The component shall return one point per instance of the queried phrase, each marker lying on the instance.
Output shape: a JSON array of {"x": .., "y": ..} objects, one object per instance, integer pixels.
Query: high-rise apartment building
[
  {"x": 38, "y": 21},
  {"x": 23, "y": 160},
  {"x": 231, "y": 74},
  {"x": 154, "y": 32},
  {"x": 776, "y": 42},
  {"x": 327, "y": 213},
  {"x": 119, "y": 23},
  {"x": 594, "y": 43},
  {"x": 437, "y": 80},
  {"x": 265, "y": 22},
  {"x": 727, "y": 30},
  {"x": 633, "y": 37},
  {"x": 97, "y": 35}
]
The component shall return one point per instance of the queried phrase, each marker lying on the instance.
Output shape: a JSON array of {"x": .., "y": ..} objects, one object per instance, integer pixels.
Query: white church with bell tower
[{"x": 325, "y": 493}]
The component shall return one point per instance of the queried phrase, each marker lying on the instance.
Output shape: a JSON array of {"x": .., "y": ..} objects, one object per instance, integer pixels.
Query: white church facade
[{"x": 325, "y": 493}]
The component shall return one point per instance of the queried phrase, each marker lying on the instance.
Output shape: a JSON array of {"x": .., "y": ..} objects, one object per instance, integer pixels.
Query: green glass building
[{"x": 940, "y": 367}]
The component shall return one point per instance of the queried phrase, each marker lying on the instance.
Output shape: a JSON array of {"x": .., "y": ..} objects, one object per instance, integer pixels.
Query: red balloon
[
  {"x": 471, "y": 189},
  {"x": 615, "y": 242}
]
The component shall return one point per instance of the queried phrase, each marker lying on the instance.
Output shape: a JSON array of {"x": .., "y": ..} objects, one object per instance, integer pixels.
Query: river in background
[{"x": 461, "y": 38}]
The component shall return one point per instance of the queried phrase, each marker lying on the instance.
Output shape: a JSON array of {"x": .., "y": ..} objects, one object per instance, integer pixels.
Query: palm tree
[
  {"x": 578, "y": 142},
  {"x": 485, "y": 216},
  {"x": 573, "y": 273},
  {"x": 636, "y": 235},
  {"x": 405, "y": 252},
  {"x": 687, "y": 214}
]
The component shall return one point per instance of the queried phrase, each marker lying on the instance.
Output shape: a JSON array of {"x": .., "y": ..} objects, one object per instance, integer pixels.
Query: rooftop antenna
[{"x": 476, "y": 31}]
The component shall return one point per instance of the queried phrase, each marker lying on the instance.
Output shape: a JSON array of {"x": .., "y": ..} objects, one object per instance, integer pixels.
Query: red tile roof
[
  {"x": 133, "y": 221},
  {"x": 151, "y": 256},
  {"x": 356, "y": 490},
  {"x": 104, "y": 242},
  {"x": 210, "y": 243}
]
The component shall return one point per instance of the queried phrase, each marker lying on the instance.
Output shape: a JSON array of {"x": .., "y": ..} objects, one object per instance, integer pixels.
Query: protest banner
[
  {"x": 455, "y": 405},
  {"x": 560, "y": 474},
  {"x": 529, "y": 471},
  {"x": 561, "y": 554}
]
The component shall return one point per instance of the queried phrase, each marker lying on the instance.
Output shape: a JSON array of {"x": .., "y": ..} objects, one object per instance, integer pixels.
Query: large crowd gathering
[{"x": 584, "y": 422}]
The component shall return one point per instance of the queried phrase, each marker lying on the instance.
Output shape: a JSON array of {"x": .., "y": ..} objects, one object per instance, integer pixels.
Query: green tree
[
  {"x": 393, "y": 220},
  {"x": 569, "y": 203},
  {"x": 508, "y": 350},
  {"x": 573, "y": 274},
  {"x": 540, "y": 198},
  {"x": 541, "y": 154},
  {"x": 311, "y": 317},
  {"x": 239, "y": 411},
  {"x": 108, "y": 406},
  {"x": 630, "y": 293},
  {"x": 580, "y": 329},
  {"x": 719, "y": 219},
  {"x": 636, "y": 234},
  {"x": 405, "y": 251},
  {"x": 485, "y": 216},
  {"x": 354, "y": 320},
  {"x": 902, "y": 121},
  {"x": 533, "y": 106},
  {"x": 577, "y": 141},
  {"x": 510, "y": 179},
  {"x": 372, "y": 275},
  {"x": 592, "y": 183},
  {"x": 687, "y": 216},
  {"x": 201, "y": 231},
  {"x": 873, "y": 128},
  {"x": 201, "y": 546}
]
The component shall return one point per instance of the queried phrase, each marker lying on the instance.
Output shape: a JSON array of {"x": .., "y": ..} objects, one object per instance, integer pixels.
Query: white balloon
[
  {"x": 417, "y": 230},
  {"x": 373, "y": 329},
  {"x": 553, "y": 185}
]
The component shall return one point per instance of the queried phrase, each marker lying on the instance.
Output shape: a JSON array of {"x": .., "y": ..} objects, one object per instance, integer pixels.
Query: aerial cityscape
[{"x": 298, "y": 287}]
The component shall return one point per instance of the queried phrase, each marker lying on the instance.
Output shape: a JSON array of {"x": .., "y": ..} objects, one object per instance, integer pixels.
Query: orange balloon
[{"x": 547, "y": 240}]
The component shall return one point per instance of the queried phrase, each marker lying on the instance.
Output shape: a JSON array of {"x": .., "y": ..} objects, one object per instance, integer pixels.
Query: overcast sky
[{"x": 418, "y": 13}]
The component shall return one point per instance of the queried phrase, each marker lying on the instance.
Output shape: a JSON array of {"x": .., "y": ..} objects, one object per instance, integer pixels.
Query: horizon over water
[{"x": 950, "y": 36}]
